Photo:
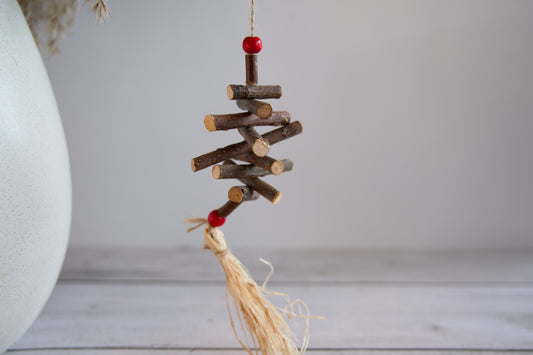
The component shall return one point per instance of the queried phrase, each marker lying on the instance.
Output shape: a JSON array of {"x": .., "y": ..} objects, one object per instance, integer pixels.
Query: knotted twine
[{"x": 263, "y": 321}]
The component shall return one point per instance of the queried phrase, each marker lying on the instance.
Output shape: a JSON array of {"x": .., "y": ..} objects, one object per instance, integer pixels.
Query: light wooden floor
[{"x": 172, "y": 302}]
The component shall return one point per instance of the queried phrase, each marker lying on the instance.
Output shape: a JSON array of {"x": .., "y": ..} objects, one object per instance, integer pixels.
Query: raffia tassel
[{"x": 263, "y": 322}]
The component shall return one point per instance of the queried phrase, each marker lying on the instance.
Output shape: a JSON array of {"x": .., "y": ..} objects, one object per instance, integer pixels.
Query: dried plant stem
[
  {"x": 100, "y": 9},
  {"x": 55, "y": 18}
]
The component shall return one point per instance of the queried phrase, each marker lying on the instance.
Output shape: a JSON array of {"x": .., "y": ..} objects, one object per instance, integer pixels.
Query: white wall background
[{"x": 418, "y": 121}]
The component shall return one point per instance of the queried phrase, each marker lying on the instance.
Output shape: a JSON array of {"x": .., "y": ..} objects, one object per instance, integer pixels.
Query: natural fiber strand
[
  {"x": 252, "y": 18},
  {"x": 260, "y": 321}
]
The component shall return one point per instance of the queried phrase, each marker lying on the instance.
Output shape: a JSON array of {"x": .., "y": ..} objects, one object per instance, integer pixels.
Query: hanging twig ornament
[{"x": 257, "y": 316}]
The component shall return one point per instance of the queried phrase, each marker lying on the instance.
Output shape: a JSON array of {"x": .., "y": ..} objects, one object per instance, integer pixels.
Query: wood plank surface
[
  {"x": 172, "y": 302},
  {"x": 194, "y": 316},
  {"x": 315, "y": 266},
  {"x": 156, "y": 351}
]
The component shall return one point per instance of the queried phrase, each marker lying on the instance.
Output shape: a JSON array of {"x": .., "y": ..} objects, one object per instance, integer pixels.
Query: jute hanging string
[{"x": 263, "y": 322}]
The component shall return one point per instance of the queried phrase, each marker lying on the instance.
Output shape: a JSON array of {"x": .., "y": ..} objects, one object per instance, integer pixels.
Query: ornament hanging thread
[{"x": 263, "y": 324}]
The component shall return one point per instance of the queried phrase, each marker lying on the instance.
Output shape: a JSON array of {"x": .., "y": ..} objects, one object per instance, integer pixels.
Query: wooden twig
[
  {"x": 242, "y": 193},
  {"x": 266, "y": 162},
  {"x": 259, "y": 146},
  {"x": 244, "y": 119},
  {"x": 260, "y": 108},
  {"x": 249, "y": 92},
  {"x": 251, "y": 69},
  {"x": 227, "y": 171},
  {"x": 283, "y": 133},
  {"x": 221, "y": 154},
  {"x": 228, "y": 152},
  {"x": 227, "y": 208},
  {"x": 264, "y": 189}
]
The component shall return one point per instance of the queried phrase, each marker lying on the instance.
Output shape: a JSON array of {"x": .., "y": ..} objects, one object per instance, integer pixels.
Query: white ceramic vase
[{"x": 35, "y": 187}]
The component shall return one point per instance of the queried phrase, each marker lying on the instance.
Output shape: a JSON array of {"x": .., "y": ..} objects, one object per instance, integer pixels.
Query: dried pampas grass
[{"x": 54, "y": 18}]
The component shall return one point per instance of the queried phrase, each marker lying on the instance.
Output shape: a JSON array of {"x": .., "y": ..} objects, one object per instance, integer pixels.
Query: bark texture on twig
[
  {"x": 230, "y": 151},
  {"x": 259, "y": 146},
  {"x": 249, "y": 92},
  {"x": 227, "y": 208},
  {"x": 244, "y": 119},
  {"x": 283, "y": 133},
  {"x": 242, "y": 193},
  {"x": 264, "y": 189},
  {"x": 260, "y": 108},
  {"x": 227, "y": 171},
  {"x": 270, "y": 164},
  {"x": 251, "y": 69}
]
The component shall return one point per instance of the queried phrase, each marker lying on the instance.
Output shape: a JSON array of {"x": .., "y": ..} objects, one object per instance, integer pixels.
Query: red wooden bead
[
  {"x": 215, "y": 219},
  {"x": 252, "y": 45}
]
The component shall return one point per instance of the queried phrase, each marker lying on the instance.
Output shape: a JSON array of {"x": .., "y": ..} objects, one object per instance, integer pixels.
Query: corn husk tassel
[{"x": 257, "y": 316}]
